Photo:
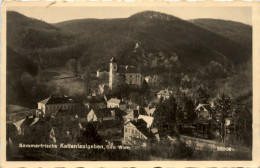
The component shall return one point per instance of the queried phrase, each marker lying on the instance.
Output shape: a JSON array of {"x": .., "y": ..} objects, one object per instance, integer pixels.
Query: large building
[
  {"x": 54, "y": 103},
  {"x": 119, "y": 75}
]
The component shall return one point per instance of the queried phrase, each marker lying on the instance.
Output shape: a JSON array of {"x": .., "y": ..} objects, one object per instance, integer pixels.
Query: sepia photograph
[{"x": 107, "y": 83}]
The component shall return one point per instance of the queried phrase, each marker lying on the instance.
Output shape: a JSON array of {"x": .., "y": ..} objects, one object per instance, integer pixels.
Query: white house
[
  {"x": 116, "y": 103},
  {"x": 101, "y": 115},
  {"x": 204, "y": 111},
  {"x": 123, "y": 75},
  {"x": 56, "y": 102},
  {"x": 165, "y": 94}
]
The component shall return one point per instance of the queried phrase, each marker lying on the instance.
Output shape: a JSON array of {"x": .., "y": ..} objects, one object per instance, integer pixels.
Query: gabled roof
[
  {"x": 127, "y": 69},
  {"x": 106, "y": 112},
  {"x": 149, "y": 111},
  {"x": 164, "y": 92},
  {"x": 130, "y": 69},
  {"x": 30, "y": 121},
  {"x": 116, "y": 101},
  {"x": 147, "y": 119},
  {"x": 57, "y": 99},
  {"x": 141, "y": 126},
  {"x": 206, "y": 107},
  {"x": 100, "y": 113},
  {"x": 109, "y": 96},
  {"x": 133, "y": 114}
]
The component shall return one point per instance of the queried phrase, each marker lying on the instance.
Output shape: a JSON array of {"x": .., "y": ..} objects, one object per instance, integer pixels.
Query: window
[
  {"x": 132, "y": 131},
  {"x": 130, "y": 76},
  {"x": 114, "y": 67},
  {"x": 125, "y": 129}
]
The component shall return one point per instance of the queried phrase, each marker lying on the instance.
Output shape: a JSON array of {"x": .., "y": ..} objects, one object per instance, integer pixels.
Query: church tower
[{"x": 113, "y": 74}]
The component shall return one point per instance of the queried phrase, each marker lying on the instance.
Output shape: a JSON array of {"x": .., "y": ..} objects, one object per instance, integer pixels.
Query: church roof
[{"x": 127, "y": 69}]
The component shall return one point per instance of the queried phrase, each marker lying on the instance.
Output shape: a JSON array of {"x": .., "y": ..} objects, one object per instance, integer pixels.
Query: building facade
[
  {"x": 57, "y": 102},
  {"x": 136, "y": 133},
  {"x": 119, "y": 75}
]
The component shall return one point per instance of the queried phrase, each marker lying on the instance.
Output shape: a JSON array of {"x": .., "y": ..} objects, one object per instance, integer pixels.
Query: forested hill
[
  {"x": 234, "y": 31},
  {"x": 151, "y": 41},
  {"x": 28, "y": 33},
  {"x": 160, "y": 38}
]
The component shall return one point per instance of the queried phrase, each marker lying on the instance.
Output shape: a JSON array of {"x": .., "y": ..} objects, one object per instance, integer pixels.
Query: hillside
[
  {"x": 151, "y": 41},
  {"x": 193, "y": 45},
  {"x": 28, "y": 33},
  {"x": 234, "y": 31}
]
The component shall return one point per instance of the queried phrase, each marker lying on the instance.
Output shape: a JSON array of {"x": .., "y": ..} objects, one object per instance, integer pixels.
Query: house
[
  {"x": 108, "y": 129},
  {"x": 203, "y": 122},
  {"x": 116, "y": 103},
  {"x": 111, "y": 114},
  {"x": 34, "y": 129},
  {"x": 56, "y": 102},
  {"x": 204, "y": 111},
  {"x": 95, "y": 102},
  {"x": 165, "y": 94},
  {"x": 132, "y": 115},
  {"x": 24, "y": 126},
  {"x": 136, "y": 133},
  {"x": 153, "y": 80},
  {"x": 110, "y": 96},
  {"x": 120, "y": 75}
]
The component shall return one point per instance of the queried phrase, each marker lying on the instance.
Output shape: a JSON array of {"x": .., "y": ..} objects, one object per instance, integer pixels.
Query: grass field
[{"x": 63, "y": 81}]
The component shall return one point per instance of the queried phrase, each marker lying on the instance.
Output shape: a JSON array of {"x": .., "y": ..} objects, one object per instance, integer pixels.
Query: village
[{"x": 108, "y": 117}]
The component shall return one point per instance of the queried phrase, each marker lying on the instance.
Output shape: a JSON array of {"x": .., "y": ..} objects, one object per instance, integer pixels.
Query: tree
[
  {"x": 202, "y": 95},
  {"x": 243, "y": 125},
  {"x": 167, "y": 116},
  {"x": 189, "y": 109},
  {"x": 90, "y": 136},
  {"x": 223, "y": 110}
]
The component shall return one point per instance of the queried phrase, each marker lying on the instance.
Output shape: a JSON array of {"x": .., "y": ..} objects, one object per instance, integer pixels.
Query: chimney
[{"x": 135, "y": 113}]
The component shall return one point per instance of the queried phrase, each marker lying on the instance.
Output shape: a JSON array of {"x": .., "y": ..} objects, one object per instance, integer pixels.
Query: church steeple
[{"x": 113, "y": 74}]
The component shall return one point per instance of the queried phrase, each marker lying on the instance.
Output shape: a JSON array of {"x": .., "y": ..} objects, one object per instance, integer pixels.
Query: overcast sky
[{"x": 54, "y": 14}]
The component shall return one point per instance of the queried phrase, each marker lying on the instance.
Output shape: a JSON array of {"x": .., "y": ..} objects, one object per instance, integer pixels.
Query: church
[{"x": 123, "y": 74}]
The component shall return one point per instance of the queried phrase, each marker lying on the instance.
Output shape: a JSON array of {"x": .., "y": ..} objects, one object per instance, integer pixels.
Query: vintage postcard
[{"x": 119, "y": 82}]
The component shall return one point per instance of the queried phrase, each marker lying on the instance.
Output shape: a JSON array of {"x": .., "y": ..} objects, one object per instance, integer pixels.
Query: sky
[{"x": 56, "y": 14}]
